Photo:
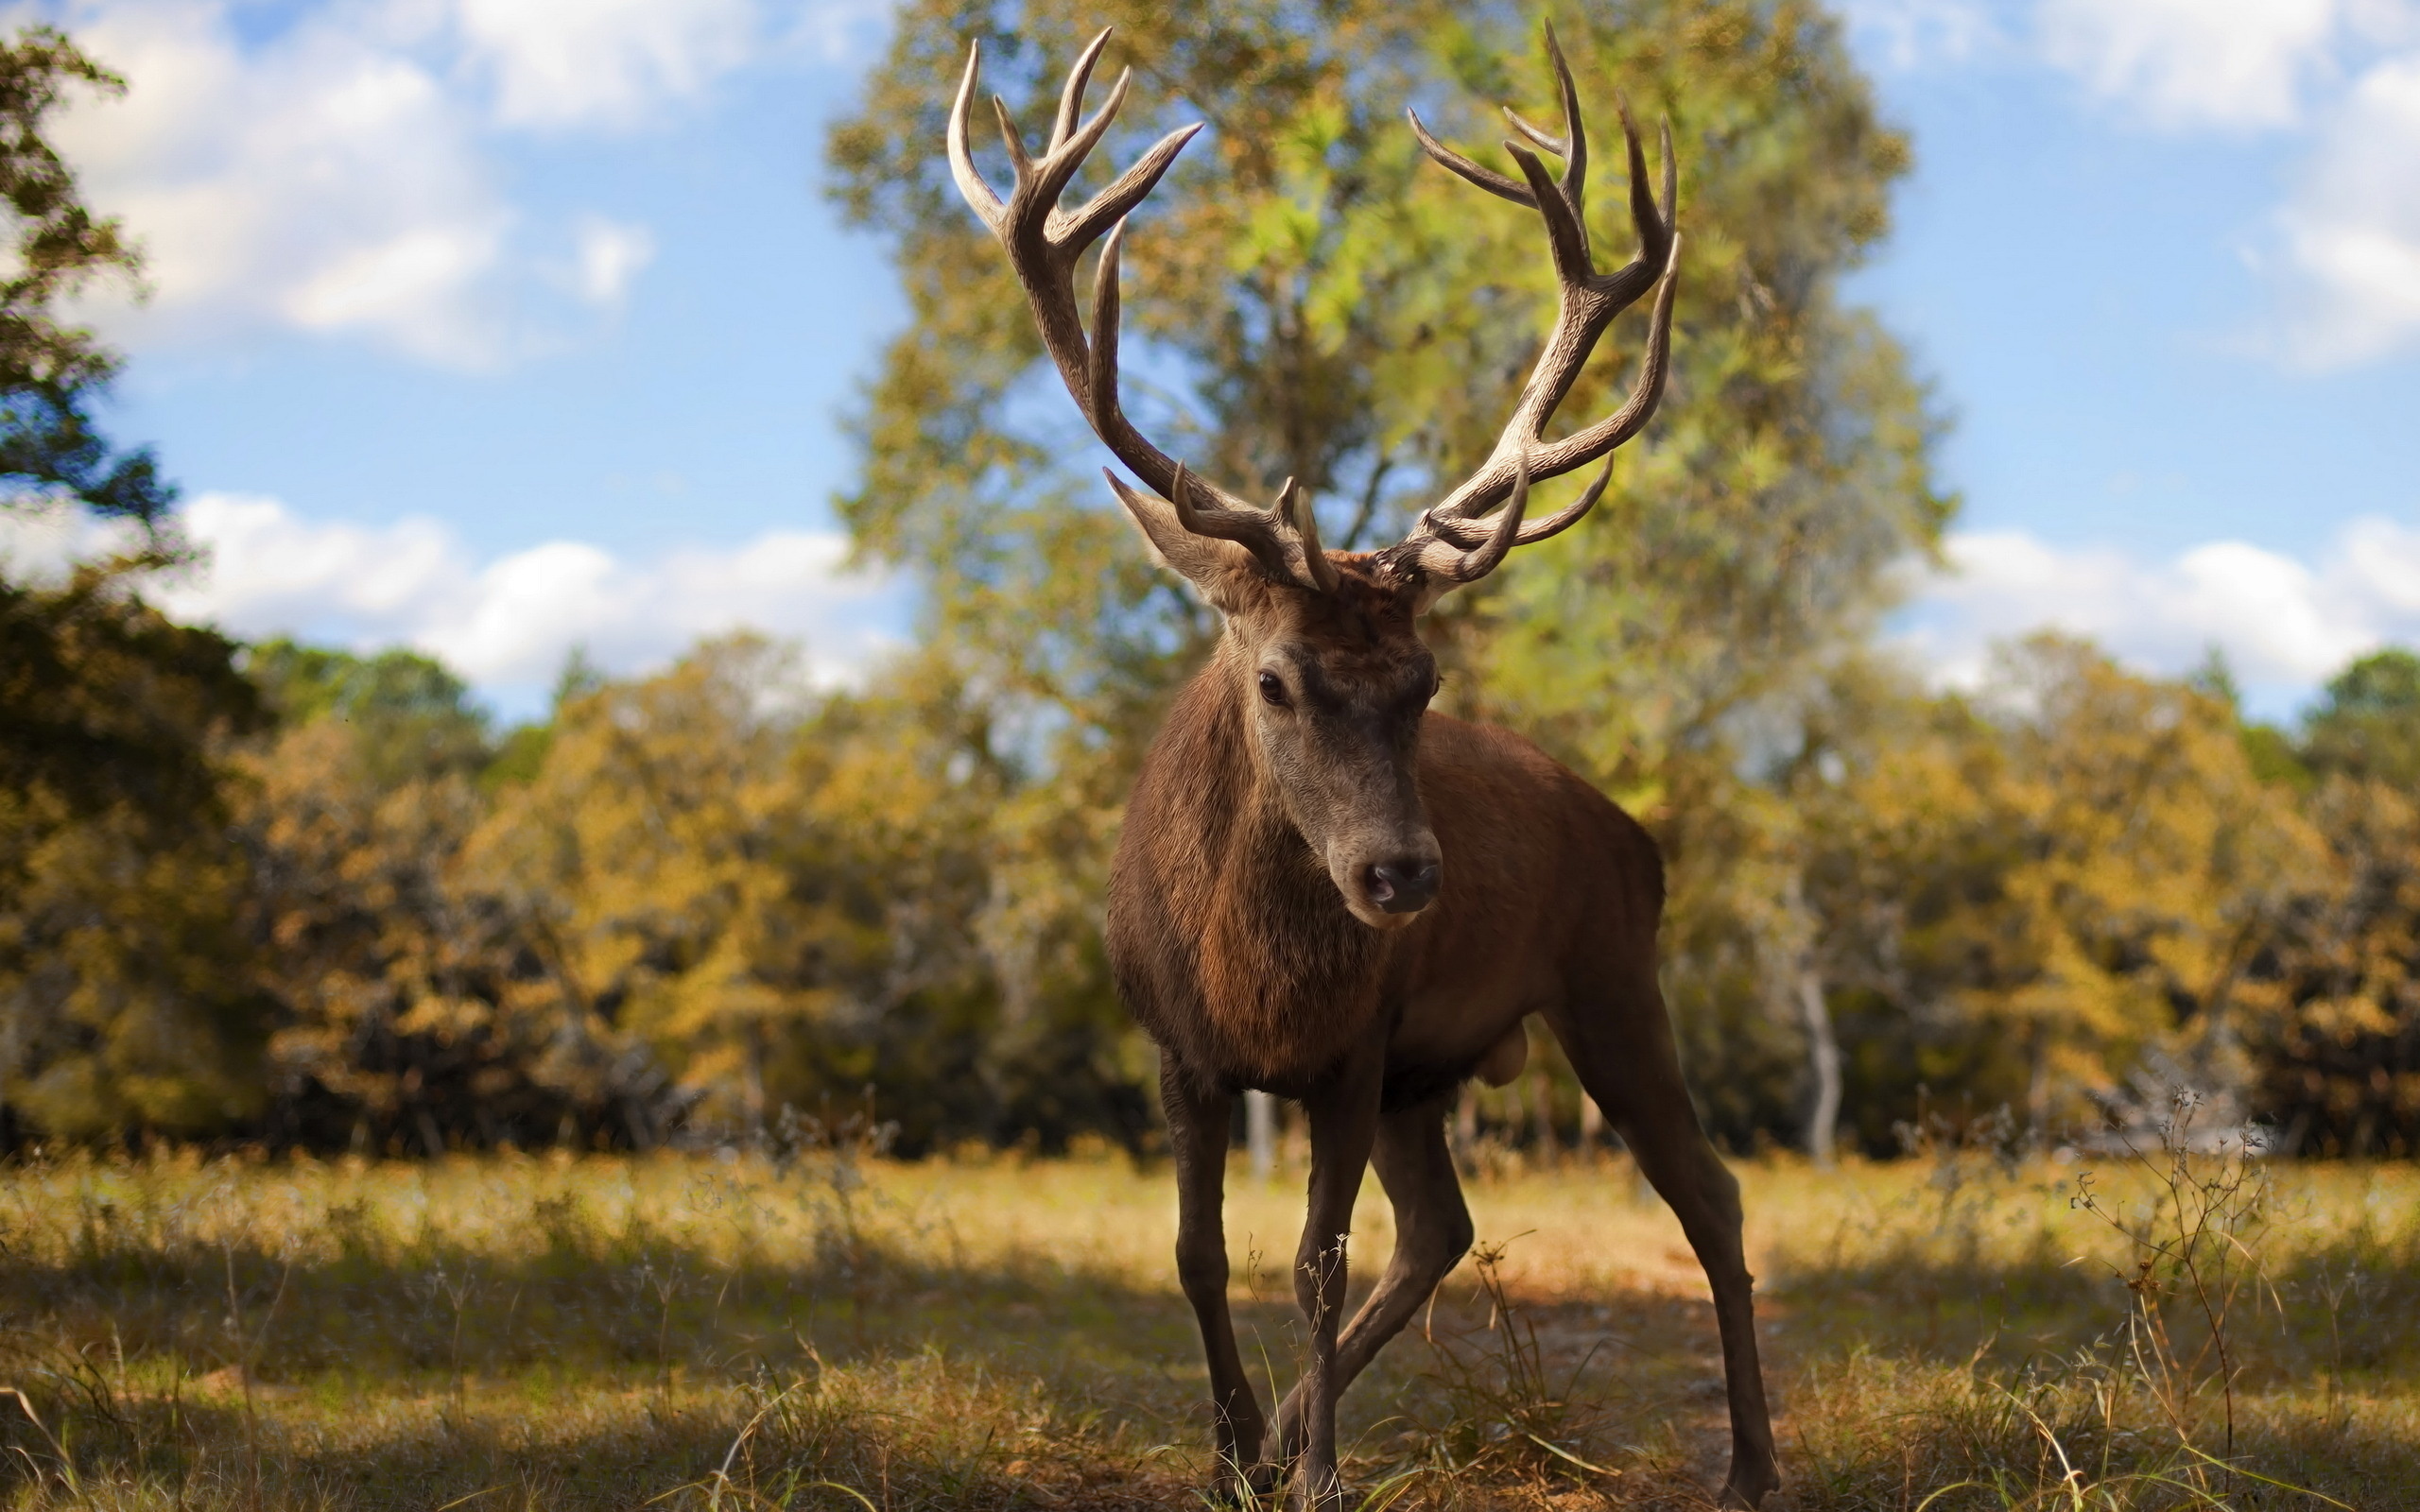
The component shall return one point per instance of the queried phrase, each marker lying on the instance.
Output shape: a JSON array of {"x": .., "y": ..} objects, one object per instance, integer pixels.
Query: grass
[{"x": 730, "y": 1331}]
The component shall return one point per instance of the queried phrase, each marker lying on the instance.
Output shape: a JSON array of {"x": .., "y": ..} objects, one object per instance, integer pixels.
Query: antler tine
[
  {"x": 1014, "y": 142},
  {"x": 1570, "y": 514},
  {"x": 1575, "y": 174},
  {"x": 1654, "y": 222},
  {"x": 1477, "y": 532},
  {"x": 961, "y": 160},
  {"x": 1671, "y": 176},
  {"x": 1068, "y": 156},
  {"x": 1295, "y": 509},
  {"x": 1071, "y": 100},
  {"x": 1124, "y": 193},
  {"x": 1463, "y": 168},
  {"x": 1100, "y": 396},
  {"x": 1572, "y": 146},
  {"x": 1539, "y": 137},
  {"x": 1566, "y": 230}
]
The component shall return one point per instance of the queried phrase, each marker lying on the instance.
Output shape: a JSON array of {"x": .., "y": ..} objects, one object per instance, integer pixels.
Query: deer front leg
[
  {"x": 1198, "y": 1118},
  {"x": 1432, "y": 1234},
  {"x": 1344, "y": 1123}
]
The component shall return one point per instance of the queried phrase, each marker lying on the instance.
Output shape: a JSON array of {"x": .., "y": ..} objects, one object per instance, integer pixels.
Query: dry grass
[{"x": 738, "y": 1332}]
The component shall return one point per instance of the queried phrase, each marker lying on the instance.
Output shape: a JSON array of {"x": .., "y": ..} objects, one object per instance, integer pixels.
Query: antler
[
  {"x": 1045, "y": 242},
  {"x": 1442, "y": 543}
]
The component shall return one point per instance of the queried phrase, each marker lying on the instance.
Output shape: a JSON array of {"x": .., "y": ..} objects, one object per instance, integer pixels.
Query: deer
[{"x": 1327, "y": 892}]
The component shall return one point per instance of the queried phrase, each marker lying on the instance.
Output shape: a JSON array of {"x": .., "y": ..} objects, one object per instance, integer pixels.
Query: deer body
[
  {"x": 1235, "y": 953},
  {"x": 1325, "y": 891}
]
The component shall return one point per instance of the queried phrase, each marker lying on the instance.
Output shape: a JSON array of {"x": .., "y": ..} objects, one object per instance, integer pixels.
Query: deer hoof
[
  {"x": 1747, "y": 1486},
  {"x": 1252, "y": 1491}
]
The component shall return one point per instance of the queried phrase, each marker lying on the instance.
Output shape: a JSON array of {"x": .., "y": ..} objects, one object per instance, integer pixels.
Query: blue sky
[{"x": 501, "y": 326}]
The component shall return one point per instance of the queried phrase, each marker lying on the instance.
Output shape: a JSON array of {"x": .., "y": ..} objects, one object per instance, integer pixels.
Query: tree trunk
[
  {"x": 1824, "y": 1058},
  {"x": 1542, "y": 1115},
  {"x": 2037, "y": 1089},
  {"x": 1260, "y": 1133}
]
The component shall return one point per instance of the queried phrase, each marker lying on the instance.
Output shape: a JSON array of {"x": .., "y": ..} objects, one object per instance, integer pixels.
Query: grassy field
[{"x": 823, "y": 1329}]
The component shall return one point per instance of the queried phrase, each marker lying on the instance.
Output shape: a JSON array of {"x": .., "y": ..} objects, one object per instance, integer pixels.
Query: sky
[{"x": 500, "y": 328}]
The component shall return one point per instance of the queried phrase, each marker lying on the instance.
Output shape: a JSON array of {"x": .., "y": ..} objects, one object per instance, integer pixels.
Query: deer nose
[{"x": 1401, "y": 887}]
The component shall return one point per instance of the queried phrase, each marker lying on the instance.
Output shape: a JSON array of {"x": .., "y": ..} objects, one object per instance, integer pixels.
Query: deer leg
[
  {"x": 1198, "y": 1134},
  {"x": 1344, "y": 1124},
  {"x": 1432, "y": 1234},
  {"x": 1622, "y": 1048}
]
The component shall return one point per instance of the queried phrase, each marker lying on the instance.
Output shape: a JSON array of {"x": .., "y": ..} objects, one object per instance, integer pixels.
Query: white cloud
[
  {"x": 609, "y": 256},
  {"x": 602, "y": 61},
  {"x": 2352, "y": 229},
  {"x": 2285, "y": 626},
  {"x": 2343, "y": 248},
  {"x": 322, "y": 181},
  {"x": 2195, "y": 62},
  {"x": 1917, "y": 33},
  {"x": 836, "y": 31},
  {"x": 506, "y": 624},
  {"x": 335, "y": 173}
]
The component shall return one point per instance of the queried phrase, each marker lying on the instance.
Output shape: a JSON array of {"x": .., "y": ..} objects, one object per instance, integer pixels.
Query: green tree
[
  {"x": 91, "y": 744},
  {"x": 52, "y": 373},
  {"x": 410, "y": 715},
  {"x": 2367, "y": 723}
]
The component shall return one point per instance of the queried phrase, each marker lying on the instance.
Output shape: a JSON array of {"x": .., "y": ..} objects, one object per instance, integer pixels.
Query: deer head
[{"x": 1322, "y": 647}]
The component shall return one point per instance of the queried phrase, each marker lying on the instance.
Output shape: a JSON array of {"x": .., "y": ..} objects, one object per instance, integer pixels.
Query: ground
[{"x": 826, "y": 1329}]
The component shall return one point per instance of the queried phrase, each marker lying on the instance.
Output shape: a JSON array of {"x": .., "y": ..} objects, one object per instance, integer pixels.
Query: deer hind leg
[
  {"x": 1432, "y": 1234},
  {"x": 1620, "y": 1042},
  {"x": 1198, "y": 1135}
]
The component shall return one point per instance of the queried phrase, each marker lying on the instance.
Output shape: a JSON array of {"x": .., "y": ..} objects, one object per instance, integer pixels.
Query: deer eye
[{"x": 1272, "y": 690}]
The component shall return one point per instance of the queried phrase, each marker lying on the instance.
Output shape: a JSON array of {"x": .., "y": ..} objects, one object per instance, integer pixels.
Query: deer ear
[{"x": 1219, "y": 569}]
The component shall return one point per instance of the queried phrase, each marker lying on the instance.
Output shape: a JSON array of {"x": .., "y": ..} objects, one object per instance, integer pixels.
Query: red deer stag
[{"x": 1326, "y": 892}]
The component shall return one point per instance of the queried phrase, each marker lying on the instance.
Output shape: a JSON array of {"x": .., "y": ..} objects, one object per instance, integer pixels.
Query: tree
[
  {"x": 2026, "y": 890},
  {"x": 127, "y": 1000},
  {"x": 2367, "y": 723},
  {"x": 52, "y": 373},
  {"x": 772, "y": 890},
  {"x": 411, "y": 717},
  {"x": 124, "y": 1001},
  {"x": 2340, "y": 1047},
  {"x": 415, "y": 1011},
  {"x": 1305, "y": 297},
  {"x": 2338, "y": 1044},
  {"x": 89, "y": 744}
]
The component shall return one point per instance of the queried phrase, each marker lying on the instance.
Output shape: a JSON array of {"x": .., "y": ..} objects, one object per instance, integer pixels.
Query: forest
[{"x": 313, "y": 898}]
